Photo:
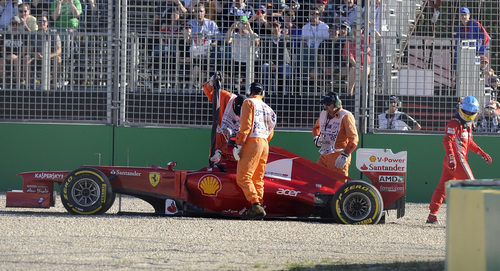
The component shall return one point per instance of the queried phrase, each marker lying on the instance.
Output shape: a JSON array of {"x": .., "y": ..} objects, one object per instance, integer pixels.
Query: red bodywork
[{"x": 294, "y": 186}]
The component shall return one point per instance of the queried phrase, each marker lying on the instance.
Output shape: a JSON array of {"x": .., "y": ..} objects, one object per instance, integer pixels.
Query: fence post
[{"x": 45, "y": 80}]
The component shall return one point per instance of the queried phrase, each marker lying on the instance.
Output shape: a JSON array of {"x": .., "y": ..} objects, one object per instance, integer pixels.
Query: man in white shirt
[
  {"x": 205, "y": 34},
  {"x": 393, "y": 119},
  {"x": 313, "y": 33}
]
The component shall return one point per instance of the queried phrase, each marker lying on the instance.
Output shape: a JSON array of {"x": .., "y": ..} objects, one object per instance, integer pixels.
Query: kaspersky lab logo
[{"x": 390, "y": 179}]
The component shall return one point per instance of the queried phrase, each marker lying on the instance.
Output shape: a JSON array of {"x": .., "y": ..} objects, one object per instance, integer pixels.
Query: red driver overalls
[{"x": 457, "y": 141}]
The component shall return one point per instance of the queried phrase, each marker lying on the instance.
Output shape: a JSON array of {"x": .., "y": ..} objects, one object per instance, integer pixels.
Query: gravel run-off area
[{"x": 52, "y": 239}]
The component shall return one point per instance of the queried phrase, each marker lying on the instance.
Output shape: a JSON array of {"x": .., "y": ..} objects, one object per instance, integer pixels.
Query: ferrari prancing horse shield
[{"x": 154, "y": 178}]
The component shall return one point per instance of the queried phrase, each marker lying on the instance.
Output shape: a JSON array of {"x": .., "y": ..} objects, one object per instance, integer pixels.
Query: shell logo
[
  {"x": 209, "y": 185},
  {"x": 373, "y": 158}
]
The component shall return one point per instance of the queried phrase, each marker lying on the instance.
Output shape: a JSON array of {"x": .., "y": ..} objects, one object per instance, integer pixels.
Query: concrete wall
[{"x": 29, "y": 147}]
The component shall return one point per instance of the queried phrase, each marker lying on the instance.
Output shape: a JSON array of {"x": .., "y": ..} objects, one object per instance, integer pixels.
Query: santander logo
[{"x": 381, "y": 160}]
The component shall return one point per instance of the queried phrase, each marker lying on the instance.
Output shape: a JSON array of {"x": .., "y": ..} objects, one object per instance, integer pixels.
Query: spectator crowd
[{"x": 285, "y": 44}]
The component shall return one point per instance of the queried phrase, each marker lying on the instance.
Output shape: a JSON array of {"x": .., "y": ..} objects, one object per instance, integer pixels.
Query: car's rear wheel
[
  {"x": 357, "y": 202},
  {"x": 87, "y": 191}
]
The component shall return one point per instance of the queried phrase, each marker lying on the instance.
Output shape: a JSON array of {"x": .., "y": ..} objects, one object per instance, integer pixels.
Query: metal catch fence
[{"x": 142, "y": 63}]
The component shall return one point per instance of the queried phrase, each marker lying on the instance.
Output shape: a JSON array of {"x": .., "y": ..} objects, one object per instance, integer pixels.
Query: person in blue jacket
[{"x": 470, "y": 29}]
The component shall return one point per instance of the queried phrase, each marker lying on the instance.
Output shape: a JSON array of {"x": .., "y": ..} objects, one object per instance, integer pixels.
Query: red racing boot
[{"x": 432, "y": 219}]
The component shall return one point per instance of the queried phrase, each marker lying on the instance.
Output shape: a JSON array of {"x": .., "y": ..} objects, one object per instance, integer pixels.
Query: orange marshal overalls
[
  {"x": 225, "y": 98},
  {"x": 346, "y": 140},
  {"x": 255, "y": 132}
]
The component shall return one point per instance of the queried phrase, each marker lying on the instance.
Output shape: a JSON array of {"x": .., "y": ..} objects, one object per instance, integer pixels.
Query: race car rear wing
[{"x": 387, "y": 171}]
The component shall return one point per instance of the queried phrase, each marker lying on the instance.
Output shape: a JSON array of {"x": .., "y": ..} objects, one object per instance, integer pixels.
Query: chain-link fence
[{"x": 131, "y": 62}]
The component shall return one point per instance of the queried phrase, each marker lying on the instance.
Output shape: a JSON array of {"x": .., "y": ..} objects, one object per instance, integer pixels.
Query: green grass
[{"x": 337, "y": 265}]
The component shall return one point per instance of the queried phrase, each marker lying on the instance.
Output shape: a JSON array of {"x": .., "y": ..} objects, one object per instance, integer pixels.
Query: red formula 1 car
[{"x": 294, "y": 187}]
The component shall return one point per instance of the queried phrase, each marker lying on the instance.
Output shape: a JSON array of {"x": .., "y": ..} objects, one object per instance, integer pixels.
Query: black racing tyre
[
  {"x": 87, "y": 191},
  {"x": 357, "y": 202}
]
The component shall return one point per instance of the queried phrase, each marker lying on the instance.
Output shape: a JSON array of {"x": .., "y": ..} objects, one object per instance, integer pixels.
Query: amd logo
[{"x": 390, "y": 179}]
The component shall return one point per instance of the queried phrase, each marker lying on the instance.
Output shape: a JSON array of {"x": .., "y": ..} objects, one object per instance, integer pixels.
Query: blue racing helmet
[{"x": 468, "y": 108}]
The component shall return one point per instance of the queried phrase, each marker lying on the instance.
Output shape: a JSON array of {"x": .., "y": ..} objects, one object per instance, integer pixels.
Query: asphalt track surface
[{"x": 51, "y": 239}]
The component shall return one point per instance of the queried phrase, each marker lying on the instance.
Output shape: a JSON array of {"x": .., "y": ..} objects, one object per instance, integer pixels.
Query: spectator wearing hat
[
  {"x": 261, "y": 21},
  {"x": 393, "y": 119},
  {"x": 471, "y": 29},
  {"x": 233, "y": 11},
  {"x": 489, "y": 121},
  {"x": 293, "y": 5},
  {"x": 244, "y": 43}
]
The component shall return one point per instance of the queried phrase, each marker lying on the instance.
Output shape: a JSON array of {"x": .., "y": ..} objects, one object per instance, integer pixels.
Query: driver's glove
[
  {"x": 451, "y": 162},
  {"x": 486, "y": 158},
  {"x": 316, "y": 141}
]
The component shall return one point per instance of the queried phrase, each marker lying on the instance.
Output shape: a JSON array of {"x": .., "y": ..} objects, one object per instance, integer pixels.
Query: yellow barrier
[{"x": 473, "y": 225}]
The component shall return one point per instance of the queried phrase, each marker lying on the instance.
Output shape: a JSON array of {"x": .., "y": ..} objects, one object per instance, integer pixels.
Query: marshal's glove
[
  {"x": 317, "y": 141},
  {"x": 216, "y": 157},
  {"x": 487, "y": 158},
  {"x": 216, "y": 77},
  {"x": 212, "y": 79},
  {"x": 341, "y": 160},
  {"x": 451, "y": 162},
  {"x": 236, "y": 152}
]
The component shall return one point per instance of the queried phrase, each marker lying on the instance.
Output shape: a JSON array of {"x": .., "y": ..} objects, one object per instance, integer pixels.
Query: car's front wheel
[
  {"x": 357, "y": 202},
  {"x": 87, "y": 191}
]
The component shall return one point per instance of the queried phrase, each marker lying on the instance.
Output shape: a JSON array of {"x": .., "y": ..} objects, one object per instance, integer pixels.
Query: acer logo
[{"x": 287, "y": 192}]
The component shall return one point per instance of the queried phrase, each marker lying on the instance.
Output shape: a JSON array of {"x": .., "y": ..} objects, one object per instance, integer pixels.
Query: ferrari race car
[{"x": 294, "y": 187}]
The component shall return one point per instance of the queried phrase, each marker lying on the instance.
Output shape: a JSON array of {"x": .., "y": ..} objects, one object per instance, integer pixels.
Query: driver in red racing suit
[{"x": 457, "y": 142}]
